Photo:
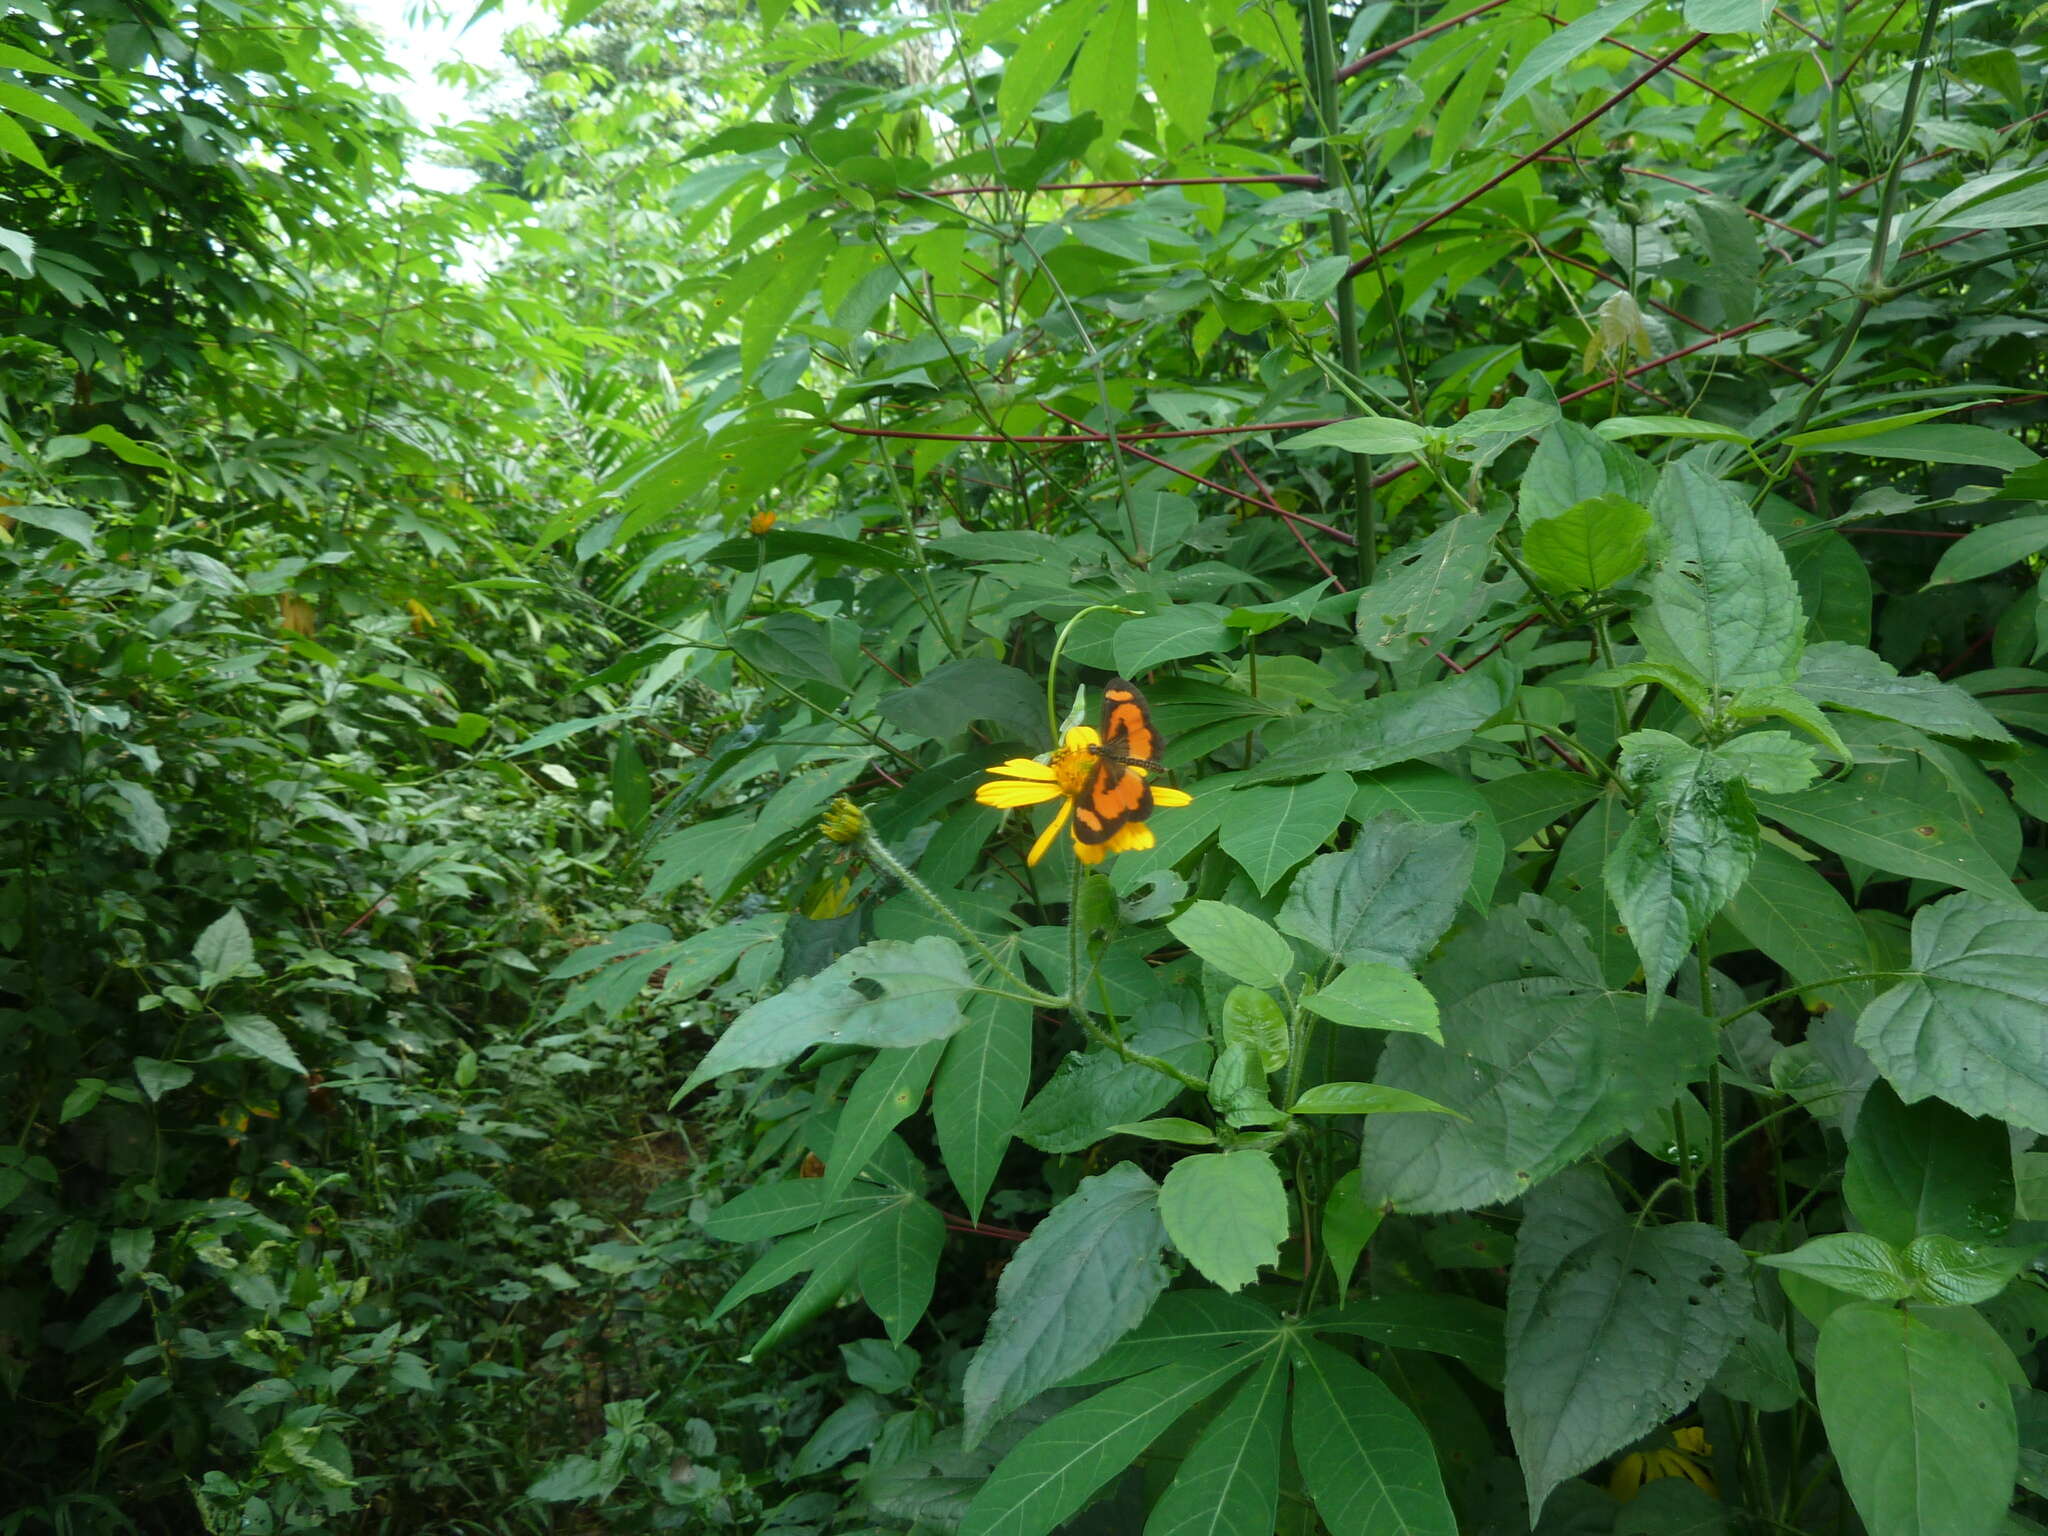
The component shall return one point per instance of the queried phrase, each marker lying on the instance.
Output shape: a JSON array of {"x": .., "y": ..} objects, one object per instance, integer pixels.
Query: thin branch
[
  {"x": 1370, "y": 258},
  {"x": 1366, "y": 61}
]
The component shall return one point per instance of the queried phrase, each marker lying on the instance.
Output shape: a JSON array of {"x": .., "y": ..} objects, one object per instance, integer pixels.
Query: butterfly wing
[
  {"x": 1115, "y": 796},
  {"x": 1127, "y": 729},
  {"x": 1116, "y": 793}
]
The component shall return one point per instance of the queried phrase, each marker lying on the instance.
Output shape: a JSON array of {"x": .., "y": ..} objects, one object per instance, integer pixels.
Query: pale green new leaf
[
  {"x": 1238, "y": 944},
  {"x": 1227, "y": 1214},
  {"x": 1855, "y": 1263},
  {"x": 1374, "y": 995},
  {"x": 1589, "y": 546},
  {"x": 1270, "y": 828}
]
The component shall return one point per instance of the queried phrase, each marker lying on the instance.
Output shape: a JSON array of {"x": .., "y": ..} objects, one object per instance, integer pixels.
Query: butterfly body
[{"x": 1116, "y": 793}]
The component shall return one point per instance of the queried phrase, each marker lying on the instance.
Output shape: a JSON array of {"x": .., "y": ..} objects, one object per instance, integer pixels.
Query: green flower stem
[
  {"x": 1813, "y": 986},
  {"x": 875, "y": 850},
  {"x": 1052, "y": 670},
  {"x": 1076, "y": 986}
]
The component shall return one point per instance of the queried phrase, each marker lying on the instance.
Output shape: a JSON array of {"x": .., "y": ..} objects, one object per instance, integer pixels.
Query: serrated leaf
[
  {"x": 1589, "y": 546},
  {"x": 1241, "y": 946},
  {"x": 1393, "y": 893},
  {"x": 259, "y": 1037},
  {"x": 224, "y": 949},
  {"x": 1612, "y": 1328},
  {"x": 1542, "y": 1060},
  {"x": 1227, "y": 1214},
  {"x": 1088, "y": 1272},
  {"x": 1854, "y": 1263},
  {"x": 1374, "y": 995},
  {"x": 1229, "y": 1484},
  {"x": 1722, "y": 596},
  {"x": 1965, "y": 1024},
  {"x": 978, "y": 1092},
  {"x": 1268, "y": 829}
]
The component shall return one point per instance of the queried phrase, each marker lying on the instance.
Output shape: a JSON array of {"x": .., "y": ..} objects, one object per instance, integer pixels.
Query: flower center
[{"x": 1071, "y": 767}]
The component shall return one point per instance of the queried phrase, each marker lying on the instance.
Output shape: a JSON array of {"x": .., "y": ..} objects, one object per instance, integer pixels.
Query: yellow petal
[
  {"x": 1023, "y": 768},
  {"x": 1052, "y": 830},
  {"x": 1131, "y": 838},
  {"x": 1090, "y": 853},
  {"x": 1082, "y": 737},
  {"x": 1167, "y": 795},
  {"x": 1007, "y": 794}
]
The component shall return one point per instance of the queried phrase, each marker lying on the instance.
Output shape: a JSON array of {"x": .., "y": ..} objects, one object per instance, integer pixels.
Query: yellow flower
[
  {"x": 1684, "y": 1457},
  {"x": 1024, "y": 781},
  {"x": 760, "y": 523},
  {"x": 843, "y": 821}
]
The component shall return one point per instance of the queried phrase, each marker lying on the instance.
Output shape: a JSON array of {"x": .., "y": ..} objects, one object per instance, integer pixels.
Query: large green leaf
[
  {"x": 1268, "y": 829},
  {"x": 1589, "y": 546},
  {"x": 1241, "y": 946},
  {"x": 1375, "y": 995},
  {"x": 1928, "y": 1167},
  {"x": 899, "y": 1264},
  {"x": 1392, "y": 893},
  {"x": 1367, "y": 1461},
  {"x": 1919, "y": 1422},
  {"x": 979, "y": 1090},
  {"x": 1229, "y": 1484},
  {"x": 888, "y": 1091},
  {"x": 952, "y": 697},
  {"x": 1610, "y": 1332},
  {"x": 884, "y": 994},
  {"x": 1105, "y": 74},
  {"x": 1722, "y": 597},
  {"x": 1539, "y": 1057},
  {"x": 1468, "y": 1331},
  {"x": 1089, "y": 1092},
  {"x": 1899, "y": 836},
  {"x": 1788, "y": 910},
  {"x": 1966, "y": 1024},
  {"x": 1428, "y": 590},
  {"x": 1189, "y": 629},
  {"x": 1227, "y": 1214},
  {"x": 1180, "y": 64},
  {"x": 1059, "y": 1465},
  {"x": 1087, "y": 1273},
  {"x": 1852, "y": 678},
  {"x": 1686, "y": 851},
  {"x": 1991, "y": 548},
  {"x": 1389, "y": 728}
]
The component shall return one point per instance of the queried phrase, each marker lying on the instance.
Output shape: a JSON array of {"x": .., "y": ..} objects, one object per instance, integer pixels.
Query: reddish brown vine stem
[
  {"x": 1075, "y": 439},
  {"x": 1370, "y": 258},
  {"x": 1366, "y": 61},
  {"x": 1721, "y": 96},
  {"x": 1288, "y": 179}
]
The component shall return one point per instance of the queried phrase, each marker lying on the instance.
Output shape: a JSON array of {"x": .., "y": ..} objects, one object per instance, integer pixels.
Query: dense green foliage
[{"x": 1567, "y": 1060}]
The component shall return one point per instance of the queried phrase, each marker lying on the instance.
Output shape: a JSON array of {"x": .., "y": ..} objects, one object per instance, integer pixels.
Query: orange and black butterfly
[{"x": 1115, "y": 795}]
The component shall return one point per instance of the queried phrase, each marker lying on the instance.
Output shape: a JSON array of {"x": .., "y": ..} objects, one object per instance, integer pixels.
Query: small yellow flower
[
  {"x": 760, "y": 523},
  {"x": 843, "y": 821},
  {"x": 1025, "y": 781},
  {"x": 1684, "y": 1457}
]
